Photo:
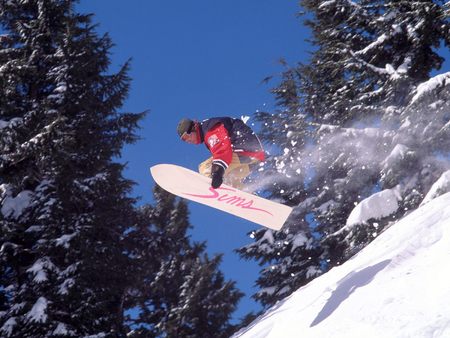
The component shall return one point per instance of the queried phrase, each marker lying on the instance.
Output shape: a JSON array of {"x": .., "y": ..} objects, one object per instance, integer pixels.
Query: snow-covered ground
[{"x": 397, "y": 287}]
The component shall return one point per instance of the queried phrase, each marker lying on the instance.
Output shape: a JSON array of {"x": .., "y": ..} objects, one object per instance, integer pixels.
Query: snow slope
[{"x": 397, "y": 287}]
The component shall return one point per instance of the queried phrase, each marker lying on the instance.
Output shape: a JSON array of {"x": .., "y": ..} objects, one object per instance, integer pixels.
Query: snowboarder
[{"x": 235, "y": 148}]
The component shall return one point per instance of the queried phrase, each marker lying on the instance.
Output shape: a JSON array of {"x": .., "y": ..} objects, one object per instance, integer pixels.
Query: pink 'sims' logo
[{"x": 229, "y": 199}]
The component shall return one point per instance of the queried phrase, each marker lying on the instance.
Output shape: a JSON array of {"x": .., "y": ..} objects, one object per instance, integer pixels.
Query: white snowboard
[{"x": 193, "y": 186}]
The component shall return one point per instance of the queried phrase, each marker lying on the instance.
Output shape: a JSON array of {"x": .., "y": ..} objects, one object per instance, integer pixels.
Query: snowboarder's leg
[
  {"x": 238, "y": 170},
  {"x": 204, "y": 168},
  {"x": 234, "y": 175}
]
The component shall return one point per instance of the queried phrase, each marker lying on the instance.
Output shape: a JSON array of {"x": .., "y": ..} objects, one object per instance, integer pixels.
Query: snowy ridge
[
  {"x": 441, "y": 186},
  {"x": 384, "y": 291}
]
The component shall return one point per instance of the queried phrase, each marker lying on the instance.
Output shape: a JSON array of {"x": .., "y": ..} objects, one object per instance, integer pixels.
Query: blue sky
[{"x": 199, "y": 59}]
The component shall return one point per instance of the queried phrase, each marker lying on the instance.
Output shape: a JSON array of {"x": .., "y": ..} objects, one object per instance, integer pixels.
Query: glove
[{"x": 217, "y": 172}]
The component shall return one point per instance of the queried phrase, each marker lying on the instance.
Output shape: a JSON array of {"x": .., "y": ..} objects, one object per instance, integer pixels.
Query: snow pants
[{"x": 238, "y": 170}]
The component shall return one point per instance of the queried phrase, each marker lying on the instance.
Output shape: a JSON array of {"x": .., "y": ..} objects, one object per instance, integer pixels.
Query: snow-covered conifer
[
  {"x": 63, "y": 200},
  {"x": 178, "y": 290},
  {"x": 366, "y": 118}
]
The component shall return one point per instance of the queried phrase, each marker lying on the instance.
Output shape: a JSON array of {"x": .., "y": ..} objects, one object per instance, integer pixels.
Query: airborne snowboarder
[{"x": 235, "y": 148}]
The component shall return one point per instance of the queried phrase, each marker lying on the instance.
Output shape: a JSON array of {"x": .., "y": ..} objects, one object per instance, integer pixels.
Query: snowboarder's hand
[{"x": 217, "y": 172}]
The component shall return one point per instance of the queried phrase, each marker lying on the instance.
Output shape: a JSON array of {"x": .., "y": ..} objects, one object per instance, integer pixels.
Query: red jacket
[{"x": 223, "y": 136}]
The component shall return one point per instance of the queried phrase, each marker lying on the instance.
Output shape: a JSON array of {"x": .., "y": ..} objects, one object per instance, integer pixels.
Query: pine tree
[
  {"x": 344, "y": 129},
  {"x": 402, "y": 57},
  {"x": 64, "y": 203},
  {"x": 179, "y": 291},
  {"x": 294, "y": 256},
  {"x": 283, "y": 178}
]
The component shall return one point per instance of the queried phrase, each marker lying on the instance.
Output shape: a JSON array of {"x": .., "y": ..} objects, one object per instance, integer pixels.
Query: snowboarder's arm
[{"x": 219, "y": 143}]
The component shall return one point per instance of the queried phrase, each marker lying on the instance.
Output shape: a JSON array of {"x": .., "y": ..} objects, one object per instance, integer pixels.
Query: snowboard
[{"x": 195, "y": 187}]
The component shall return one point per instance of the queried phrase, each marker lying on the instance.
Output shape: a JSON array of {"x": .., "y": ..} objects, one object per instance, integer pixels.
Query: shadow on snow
[{"x": 346, "y": 287}]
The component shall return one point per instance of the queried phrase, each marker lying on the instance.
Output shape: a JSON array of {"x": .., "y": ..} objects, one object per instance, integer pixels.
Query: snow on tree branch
[{"x": 430, "y": 86}]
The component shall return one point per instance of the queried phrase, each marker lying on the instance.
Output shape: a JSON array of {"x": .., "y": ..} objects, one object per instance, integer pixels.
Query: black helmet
[{"x": 185, "y": 126}]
